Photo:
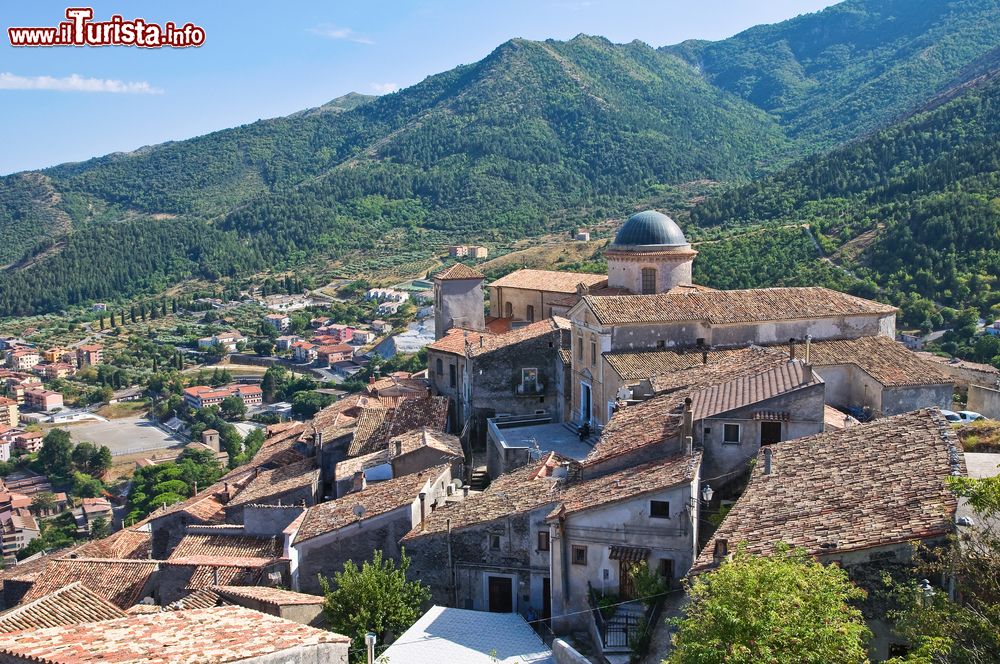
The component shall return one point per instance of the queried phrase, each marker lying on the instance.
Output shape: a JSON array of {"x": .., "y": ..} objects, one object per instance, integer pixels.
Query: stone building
[
  {"x": 486, "y": 374},
  {"x": 859, "y": 498},
  {"x": 458, "y": 299},
  {"x": 531, "y": 295},
  {"x": 374, "y": 517}
]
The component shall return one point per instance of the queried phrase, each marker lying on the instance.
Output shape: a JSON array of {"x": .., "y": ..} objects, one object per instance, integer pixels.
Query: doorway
[
  {"x": 626, "y": 582},
  {"x": 770, "y": 432},
  {"x": 585, "y": 403},
  {"x": 501, "y": 594}
]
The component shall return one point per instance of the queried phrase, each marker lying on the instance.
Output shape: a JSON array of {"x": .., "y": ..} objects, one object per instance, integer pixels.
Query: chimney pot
[
  {"x": 704, "y": 357},
  {"x": 767, "y": 460},
  {"x": 791, "y": 348},
  {"x": 360, "y": 481},
  {"x": 688, "y": 445},
  {"x": 423, "y": 509}
]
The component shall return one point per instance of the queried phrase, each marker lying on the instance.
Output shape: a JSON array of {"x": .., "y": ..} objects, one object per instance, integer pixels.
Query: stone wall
[
  {"x": 984, "y": 400},
  {"x": 458, "y": 303}
]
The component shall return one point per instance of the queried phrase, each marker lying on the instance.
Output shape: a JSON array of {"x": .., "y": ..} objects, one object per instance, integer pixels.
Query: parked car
[
  {"x": 970, "y": 416},
  {"x": 952, "y": 416}
]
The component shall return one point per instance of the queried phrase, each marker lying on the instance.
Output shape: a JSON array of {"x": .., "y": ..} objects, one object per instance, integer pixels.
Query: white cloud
[
  {"x": 384, "y": 88},
  {"x": 331, "y": 31},
  {"x": 75, "y": 83}
]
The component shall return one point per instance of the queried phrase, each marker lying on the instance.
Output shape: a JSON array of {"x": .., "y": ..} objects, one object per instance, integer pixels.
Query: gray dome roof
[{"x": 650, "y": 228}]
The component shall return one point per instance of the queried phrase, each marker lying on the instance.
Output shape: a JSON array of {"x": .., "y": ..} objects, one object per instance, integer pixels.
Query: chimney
[
  {"x": 360, "y": 482},
  {"x": 704, "y": 357},
  {"x": 465, "y": 491},
  {"x": 371, "y": 379},
  {"x": 423, "y": 508},
  {"x": 480, "y": 341},
  {"x": 397, "y": 447},
  {"x": 215, "y": 576},
  {"x": 791, "y": 348},
  {"x": 688, "y": 445},
  {"x": 721, "y": 550},
  {"x": 808, "y": 344},
  {"x": 687, "y": 426},
  {"x": 767, "y": 460}
]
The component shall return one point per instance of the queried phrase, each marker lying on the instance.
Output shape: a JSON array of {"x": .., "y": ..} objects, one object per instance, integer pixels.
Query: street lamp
[
  {"x": 707, "y": 493},
  {"x": 926, "y": 592}
]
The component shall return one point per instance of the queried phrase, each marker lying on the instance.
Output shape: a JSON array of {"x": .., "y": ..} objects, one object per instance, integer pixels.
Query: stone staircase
[
  {"x": 480, "y": 479},
  {"x": 575, "y": 428}
]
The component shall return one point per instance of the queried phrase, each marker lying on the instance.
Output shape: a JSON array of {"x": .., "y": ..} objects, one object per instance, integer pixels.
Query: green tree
[
  {"x": 100, "y": 461},
  {"x": 784, "y": 608},
  {"x": 377, "y": 597},
  {"x": 86, "y": 486},
  {"x": 233, "y": 408},
  {"x": 56, "y": 455},
  {"x": 307, "y": 404},
  {"x": 274, "y": 378},
  {"x": 100, "y": 528},
  {"x": 43, "y": 502},
  {"x": 965, "y": 631},
  {"x": 82, "y": 455}
]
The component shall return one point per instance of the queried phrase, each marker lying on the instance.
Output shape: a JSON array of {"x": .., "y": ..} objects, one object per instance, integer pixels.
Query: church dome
[{"x": 650, "y": 228}]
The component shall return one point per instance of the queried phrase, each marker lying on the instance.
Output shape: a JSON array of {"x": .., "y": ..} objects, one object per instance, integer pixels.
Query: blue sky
[{"x": 265, "y": 59}]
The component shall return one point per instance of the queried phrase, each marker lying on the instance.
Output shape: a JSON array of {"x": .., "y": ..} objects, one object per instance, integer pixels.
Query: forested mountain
[
  {"x": 914, "y": 208},
  {"x": 851, "y": 68},
  {"x": 536, "y": 136}
]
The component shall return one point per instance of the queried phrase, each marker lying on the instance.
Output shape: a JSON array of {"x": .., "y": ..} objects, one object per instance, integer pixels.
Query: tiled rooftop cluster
[
  {"x": 738, "y": 306},
  {"x": 865, "y": 486},
  {"x": 551, "y": 281},
  {"x": 462, "y": 342}
]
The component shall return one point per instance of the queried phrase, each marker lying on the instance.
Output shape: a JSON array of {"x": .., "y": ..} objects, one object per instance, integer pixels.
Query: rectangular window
[
  {"x": 666, "y": 568},
  {"x": 543, "y": 540},
  {"x": 593, "y": 353},
  {"x": 731, "y": 433},
  {"x": 579, "y": 555},
  {"x": 531, "y": 314},
  {"x": 495, "y": 542},
  {"x": 579, "y": 348},
  {"x": 659, "y": 509},
  {"x": 452, "y": 376}
]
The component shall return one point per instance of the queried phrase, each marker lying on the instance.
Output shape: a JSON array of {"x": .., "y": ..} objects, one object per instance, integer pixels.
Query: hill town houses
[{"x": 588, "y": 425}]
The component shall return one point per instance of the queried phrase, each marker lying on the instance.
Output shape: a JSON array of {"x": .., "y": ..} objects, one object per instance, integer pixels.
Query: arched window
[
  {"x": 440, "y": 367},
  {"x": 508, "y": 310},
  {"x": 648, "y": 280}
]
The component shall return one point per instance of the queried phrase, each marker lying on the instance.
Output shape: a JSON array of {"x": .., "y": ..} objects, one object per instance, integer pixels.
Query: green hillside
[
  {"x": 851, "y": 68},
  {"x": 913, "y": 210},
  {"x": 538, "y": 136}
]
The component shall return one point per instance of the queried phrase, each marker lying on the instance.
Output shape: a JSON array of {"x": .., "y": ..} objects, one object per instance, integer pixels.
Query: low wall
[
  {"x": 563, "y": 653},
  {"x": 984, "y": 400}
]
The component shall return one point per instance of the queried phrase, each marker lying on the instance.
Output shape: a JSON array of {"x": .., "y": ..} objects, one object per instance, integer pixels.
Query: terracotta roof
[
  {"x": 70, "y": 605},
  {"x": 535, "y": 486},
  {"x": 527, "y": 488},
  {"x": 202, "y": 598},
  {"x": 270, "y": 484},
  {"x": 236, "y": 546},
  {"x": 376, "y": 426},
  {"x": 270, "y": 596},
  {"x": 481, "y": 343},
  {"x": 638, "y": 425},
  {"x": 627, "y": 483},
  {"x": 417, "y": 439},
  {"x": 218, "y": 635},
  {"x": 126, "y": 543},
  {"x": 459, "y": 271},
  {"x": 140, "y": 609},
  {"x": 869, "y": 485},
  {"x": 211, "y": 570},
  {"x": 884, "y": 359},
  {"x": 732, "y": 306},
  {"x": 749, "y": 376},
  {"x": 119, "y": 581},
  {"x": 550, "y": 281},
  {"x": 377, "y": 498},
  {"x": 642, "y": 365}
]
